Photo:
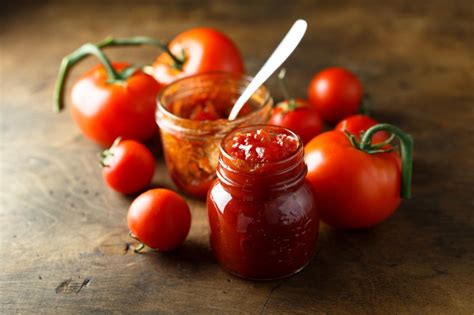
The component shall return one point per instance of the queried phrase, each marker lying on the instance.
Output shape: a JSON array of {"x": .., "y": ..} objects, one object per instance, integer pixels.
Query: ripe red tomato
[
  {"x": 355, "y": 189},
  {"x": 200, "y": 50},
  {"x": 356, "y": 124},
  {"x": 128, "y": 166},
  {"x": 104, "y": 111},
  {"x": 336, "y": 93},
  {"x": 299, "y": 116},
  {"x": 160, "y": 219}
]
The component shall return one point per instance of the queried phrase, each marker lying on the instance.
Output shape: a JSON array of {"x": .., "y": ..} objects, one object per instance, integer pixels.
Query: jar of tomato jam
[
  {"x": 262, "y": 214},
  {"x": 192, "y": 116}
]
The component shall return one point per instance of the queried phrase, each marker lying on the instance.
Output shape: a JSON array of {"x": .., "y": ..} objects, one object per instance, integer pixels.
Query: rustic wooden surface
[{"x": 63, "y": 233}]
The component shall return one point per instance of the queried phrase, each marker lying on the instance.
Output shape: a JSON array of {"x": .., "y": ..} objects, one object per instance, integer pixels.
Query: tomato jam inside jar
[
  {"x": 192, "y": 116},
  {"x": 263, "y": 219}
]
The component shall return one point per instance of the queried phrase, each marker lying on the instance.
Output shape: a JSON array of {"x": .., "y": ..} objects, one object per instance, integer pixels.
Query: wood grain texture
[{"x": 63, "y": 234}]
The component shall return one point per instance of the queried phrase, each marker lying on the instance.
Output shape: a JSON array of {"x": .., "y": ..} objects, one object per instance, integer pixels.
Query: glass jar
[
  {"x": 263, "y": 218},
  {"x": 191, "y": 147}
]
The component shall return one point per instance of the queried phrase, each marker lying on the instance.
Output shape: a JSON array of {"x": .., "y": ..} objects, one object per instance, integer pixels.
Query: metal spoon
[{"x": 279, "y": 55}]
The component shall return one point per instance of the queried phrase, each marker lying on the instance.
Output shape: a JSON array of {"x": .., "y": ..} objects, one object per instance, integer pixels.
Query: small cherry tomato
[
  {"x": 358, "y": 184},
  {"x": 335, "y": 93},
  {"x": 357, "y": 124},
  {"x": 160, "y": 219},
  {"x": 298, "y": 116},
  {"x": 128, "y": 166},
  {"x": 197, "y": 50}
]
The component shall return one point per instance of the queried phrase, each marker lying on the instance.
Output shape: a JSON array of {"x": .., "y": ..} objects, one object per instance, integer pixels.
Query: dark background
[{"x": 63, "y": 233}]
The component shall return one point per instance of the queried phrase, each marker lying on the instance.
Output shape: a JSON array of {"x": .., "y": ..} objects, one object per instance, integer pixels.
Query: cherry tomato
[
  {"x": 336, "y": 93},
  {"x": 160, "y": 219},
  {"x": 198, "y": 50},
  {"x": 298, "y": 116},
  {"x": 356, "y": 124},
  {"x": 356, "y": 187},
  {"x": 104, "y": 111},
  {"x": 128, "y": 166}
]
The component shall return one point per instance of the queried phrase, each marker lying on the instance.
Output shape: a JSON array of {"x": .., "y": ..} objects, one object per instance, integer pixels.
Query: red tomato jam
[
  {"x": 261, "y": 146},
  {"x": 201, "y": 108},
  {"x": 262, "y": 215},
  {"x": 192, "y": 160}
]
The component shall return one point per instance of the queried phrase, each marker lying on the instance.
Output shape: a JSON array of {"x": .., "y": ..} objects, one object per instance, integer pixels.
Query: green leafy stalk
[
  {"x": 69, "y": 61},
  {"x": 140, "y": 246},
  {"x": 112, "y": 75},
  {"x": 108, "y": 154},
  {"x": 284, "y": 88},
  {"x": 406, "y": 152},
  {"x": 178, "y": 62}
]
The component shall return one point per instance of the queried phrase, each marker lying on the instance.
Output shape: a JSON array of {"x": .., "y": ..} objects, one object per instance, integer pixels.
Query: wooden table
[{"x": 64, "y": 235}]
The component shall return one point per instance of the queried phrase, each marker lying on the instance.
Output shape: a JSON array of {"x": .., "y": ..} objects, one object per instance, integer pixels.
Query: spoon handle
[{"x": 279, "y": 55}]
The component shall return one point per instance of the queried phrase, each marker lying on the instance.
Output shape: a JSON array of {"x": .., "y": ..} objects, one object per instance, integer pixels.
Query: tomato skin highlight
[
  {"x": 336, "y": 93},
  {"x": 129, "y": 167},
  {"x": 304, "y": 120},
  {"x": 160, "y": 219},
  {"x": 356, "y": 124},
  {"x": 205, "y": 50},
  {"x": 104, "y": 111},
  {"x": 353, "y": 189}
]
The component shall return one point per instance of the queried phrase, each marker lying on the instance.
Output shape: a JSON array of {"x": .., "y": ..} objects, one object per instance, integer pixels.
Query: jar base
[{"x": 235, "y": 274}]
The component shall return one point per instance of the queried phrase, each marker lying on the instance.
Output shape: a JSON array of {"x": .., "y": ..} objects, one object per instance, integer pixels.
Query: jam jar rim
[
  {"x": 162, "y": 110},
  {"x": 255, "y": 127},
  {"x": 247, "y": 187}
]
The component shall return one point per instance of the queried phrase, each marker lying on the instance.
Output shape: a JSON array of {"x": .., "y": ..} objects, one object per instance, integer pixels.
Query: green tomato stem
[
  {"x": 139, "y": 248},
  {"x": 351, "y": 138},
  {"x": 382, "y": 144},
  {"x": 106, "y": 155},
  {"x": 113, "y": 76},
  {"x": 69, "y": 61},
  {"x": 178, "y": 62},
  {"x": 284, "y": 88},
  {"x": 406, "y": 152}
]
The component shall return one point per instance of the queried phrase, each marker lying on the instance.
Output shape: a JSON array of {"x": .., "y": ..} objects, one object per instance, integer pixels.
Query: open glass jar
[
  {"x": 191, "y": 146},
  {"x": 263, "y": 218}
]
